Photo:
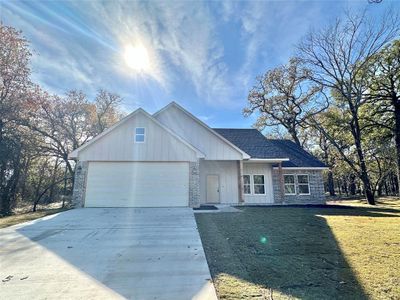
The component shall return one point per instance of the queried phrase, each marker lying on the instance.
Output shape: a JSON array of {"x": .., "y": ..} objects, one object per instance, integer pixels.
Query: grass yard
[
  {"x": 28, "y": 216},
  {"x": 338, "y": 252}
]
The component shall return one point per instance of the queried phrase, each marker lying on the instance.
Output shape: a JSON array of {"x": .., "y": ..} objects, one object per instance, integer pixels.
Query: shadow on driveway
[{"x": 106, "y": 253}]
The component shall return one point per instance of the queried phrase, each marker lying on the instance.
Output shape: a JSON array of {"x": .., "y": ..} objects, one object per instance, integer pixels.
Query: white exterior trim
[
  {"x": 308, "y": 183},
  {"x": 294, "y": 184},
  {"x": 144, "y": 135},
  {"x": 265, "y": 192},
  {"x": 74, "y": 154},
  {"x": 302, "y": 168},
  {"x": 249, "y": 184},
  {"x": 252, "y": 193},
  {"x": 266, "y": 160},
  {"x": 173, "y": 103}
]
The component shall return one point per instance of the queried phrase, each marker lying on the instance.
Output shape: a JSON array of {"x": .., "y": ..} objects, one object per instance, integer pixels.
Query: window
[
  {"x": 139, "y": 135},
  {"x": 290, "y": 187},
  {"x": 246, "y": 185},
  {"x": 258, "y": 184},
  {"x": 303, "y": 184}
]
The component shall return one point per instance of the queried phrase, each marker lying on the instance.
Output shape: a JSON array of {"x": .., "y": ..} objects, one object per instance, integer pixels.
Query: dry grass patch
[{"x": 29, "y": 216}]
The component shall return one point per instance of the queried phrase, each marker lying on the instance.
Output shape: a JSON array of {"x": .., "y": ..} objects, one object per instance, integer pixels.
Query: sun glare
[{"x": 137, "y": 58}]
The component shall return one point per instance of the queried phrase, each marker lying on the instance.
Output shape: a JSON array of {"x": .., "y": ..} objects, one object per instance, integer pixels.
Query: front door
[{"x": 212, "y": 189}]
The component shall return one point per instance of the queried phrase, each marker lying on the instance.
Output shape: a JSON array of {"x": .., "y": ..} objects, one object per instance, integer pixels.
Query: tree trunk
[
  {"x": 386, "y": 187},
  {"x": 331, "y": 184},
  {"x": 10, "y": 185},
  {"x": 339, "y": 187},
  {"x": 397, "y": 136},
  {"x": 356, "y": 132},
  {"x": 293, "y": 134},
  {"x": 352, "y": 185},
  {"x": 53, "y": 180},
  {"x": 380, "y": 187},
  {"x": 65, "y": 186},
  {"x": 34, "y": 205},
  {"x": 393, "y": 184},
  {"x": 37, "y": 190},
  {"x": 325, "y": 148},
  {"x": 345, "y": 187}
]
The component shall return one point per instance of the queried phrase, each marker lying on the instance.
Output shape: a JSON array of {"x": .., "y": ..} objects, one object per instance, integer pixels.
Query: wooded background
[{"x": 338, "y": 97}]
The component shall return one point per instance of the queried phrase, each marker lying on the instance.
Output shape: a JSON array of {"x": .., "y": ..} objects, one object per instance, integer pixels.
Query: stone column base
[{"x": 78, "y": 195}]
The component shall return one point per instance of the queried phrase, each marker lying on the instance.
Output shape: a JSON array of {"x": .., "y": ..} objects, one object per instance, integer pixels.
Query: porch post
[
  {"x": 240, "y": 180},
  {"x": 281, "y": 182}
]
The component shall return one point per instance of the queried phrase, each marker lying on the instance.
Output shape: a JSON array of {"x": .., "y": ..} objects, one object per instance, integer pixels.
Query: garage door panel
[{"x": 137, "y": 184}]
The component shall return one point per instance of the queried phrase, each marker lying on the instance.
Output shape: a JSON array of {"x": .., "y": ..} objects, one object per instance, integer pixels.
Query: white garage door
[{"x": 137, "y": 184}]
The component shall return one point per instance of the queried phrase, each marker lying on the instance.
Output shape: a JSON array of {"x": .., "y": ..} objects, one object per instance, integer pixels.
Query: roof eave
[
  {"x": 271, "y": 160},
  {"x": 75, "y": 153},
  {"x": 303, "y": 168}
]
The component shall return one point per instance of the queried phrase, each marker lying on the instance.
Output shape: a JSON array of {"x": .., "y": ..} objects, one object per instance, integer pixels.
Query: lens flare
[{"x": 137, "y": 58}]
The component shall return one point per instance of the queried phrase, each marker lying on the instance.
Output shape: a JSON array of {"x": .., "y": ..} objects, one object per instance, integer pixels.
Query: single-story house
[{"x": 172, "y": 158}]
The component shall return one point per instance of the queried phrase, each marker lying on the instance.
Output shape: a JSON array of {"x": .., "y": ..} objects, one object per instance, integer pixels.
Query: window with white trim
[
  {"x": 140, "y": 134},
  {"x": 303, "y": 184},
  {"x": 246, "y": 185},
  {"x": 290, "y": 186},
  {"x": 258, "y": 184}
]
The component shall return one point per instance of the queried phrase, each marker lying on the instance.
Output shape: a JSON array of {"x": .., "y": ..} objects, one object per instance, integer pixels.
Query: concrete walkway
[{"x": 112, "y": 253}]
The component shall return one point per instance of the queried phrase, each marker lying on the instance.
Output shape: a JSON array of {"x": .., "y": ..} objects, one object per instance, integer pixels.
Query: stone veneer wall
[
  {"x": 78, "y": 195},
  {"x": 317, "y": 192},
  {"x": 194, "y": 184}
]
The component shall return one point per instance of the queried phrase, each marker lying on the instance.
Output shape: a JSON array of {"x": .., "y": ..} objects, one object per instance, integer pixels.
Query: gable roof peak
[
  {"x": 201, "y": 123},
  {"x": 75, "y": 152}
]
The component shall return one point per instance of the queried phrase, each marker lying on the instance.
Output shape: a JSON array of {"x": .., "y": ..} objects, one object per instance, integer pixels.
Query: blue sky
[{"x": 204, "y": 55}]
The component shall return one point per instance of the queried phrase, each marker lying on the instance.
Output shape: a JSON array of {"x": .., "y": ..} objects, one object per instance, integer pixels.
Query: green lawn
[
  {"x": 29, "y": 216},
  {"x": 304, "y": 253}
]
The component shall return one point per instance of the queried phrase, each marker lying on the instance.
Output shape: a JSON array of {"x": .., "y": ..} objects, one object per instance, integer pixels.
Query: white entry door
[
  {"x": 212, "y": 189},
  {"x": 137, "y": 184}
]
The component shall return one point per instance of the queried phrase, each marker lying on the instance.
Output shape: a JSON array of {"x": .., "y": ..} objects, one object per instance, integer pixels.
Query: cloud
[
  {"x": 81, "y": 44},
  {"x": 205, "y": 52},
  {"x": 270, "y": 31},
  {"x": 57, "y": 64}
]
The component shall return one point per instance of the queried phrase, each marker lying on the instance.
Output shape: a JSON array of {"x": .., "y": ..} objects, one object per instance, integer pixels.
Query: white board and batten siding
[
  {"x": 119, "y": 145},
  {"x": 259, "y": 169},
  {"x": 197, "y": 135},
  {"x": 227, "y": 171}
]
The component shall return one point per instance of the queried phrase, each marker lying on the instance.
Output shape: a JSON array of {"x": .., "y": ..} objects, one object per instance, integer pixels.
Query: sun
[{"x": 137, "y": 58}]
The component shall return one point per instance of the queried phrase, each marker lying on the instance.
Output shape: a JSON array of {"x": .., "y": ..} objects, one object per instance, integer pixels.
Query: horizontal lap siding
[{"x": 118, "y": 145}]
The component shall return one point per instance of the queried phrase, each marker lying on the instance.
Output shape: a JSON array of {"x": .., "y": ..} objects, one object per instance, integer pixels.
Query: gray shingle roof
[{"x": 256, "y": 145}]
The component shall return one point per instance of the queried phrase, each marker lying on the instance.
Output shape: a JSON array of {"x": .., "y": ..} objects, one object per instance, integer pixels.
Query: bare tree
[
  {"x": 284, "y": 97},
  {"x": 65, "y": 123},
  {"x": 107, "y": 111},
  {"x": 338, "y": 58},
  {"x": 15, "y": 86}
]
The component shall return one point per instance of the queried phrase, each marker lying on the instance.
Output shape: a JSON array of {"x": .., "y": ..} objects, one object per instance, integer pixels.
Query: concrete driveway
[{"x": 110, "y": 253}]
